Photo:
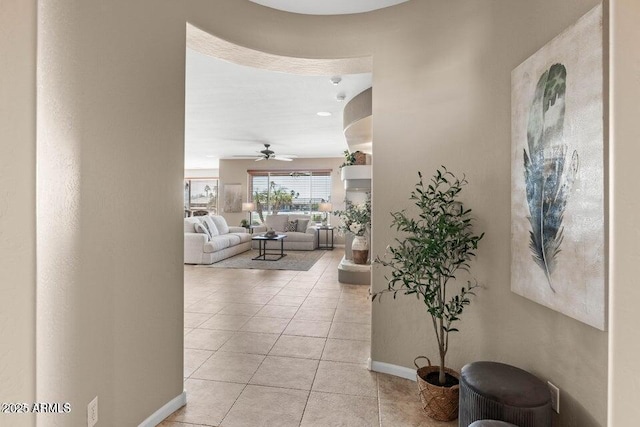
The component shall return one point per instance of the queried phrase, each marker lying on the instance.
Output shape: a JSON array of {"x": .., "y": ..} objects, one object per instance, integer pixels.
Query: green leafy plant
[
  {"x": 434, "y": 246},
  {"x": 349, "y": 158},
  {"x": 356, "y": 219},
  {"x": 244, "y": 223}
]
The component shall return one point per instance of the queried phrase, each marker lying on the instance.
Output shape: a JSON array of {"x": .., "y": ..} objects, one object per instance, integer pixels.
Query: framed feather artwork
[{"x": 558, "y": 252}]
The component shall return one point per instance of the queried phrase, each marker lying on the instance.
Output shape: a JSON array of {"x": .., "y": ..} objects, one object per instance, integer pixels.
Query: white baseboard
[
  {"x": 395, "y": 370},
  {"x": 168, "y": 409}
]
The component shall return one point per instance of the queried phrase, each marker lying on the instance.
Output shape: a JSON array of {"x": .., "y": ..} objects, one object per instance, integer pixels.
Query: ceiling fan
[{"x": 268, "y": 154}]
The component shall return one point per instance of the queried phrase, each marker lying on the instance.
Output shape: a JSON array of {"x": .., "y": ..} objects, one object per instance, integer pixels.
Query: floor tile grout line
[{"x": 317, "y": 368}]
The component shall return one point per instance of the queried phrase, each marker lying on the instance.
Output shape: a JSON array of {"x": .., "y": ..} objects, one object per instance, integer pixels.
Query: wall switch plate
[
  {"x": 555, "y": 397},
  {"x": 92, "y": 412}
]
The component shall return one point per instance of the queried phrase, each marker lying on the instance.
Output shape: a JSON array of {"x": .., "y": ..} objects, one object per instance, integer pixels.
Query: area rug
[{"x": 295, "y": 260}]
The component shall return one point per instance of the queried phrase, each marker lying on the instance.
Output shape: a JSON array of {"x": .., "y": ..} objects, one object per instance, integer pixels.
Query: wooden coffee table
[{"x": 262, "y": 247}]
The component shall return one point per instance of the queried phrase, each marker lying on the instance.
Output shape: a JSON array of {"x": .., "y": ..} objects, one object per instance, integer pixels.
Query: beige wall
[
  {"x": 110, "y": 171},
  {"x": 17, "y": 205},
  {"x": 444, "y": 98},
  {"x": 624, "y": 343},
  {"x": 201, "y": 173},
  {"x": 110, "y": 288},
  {"x": 235, "y": 172}
]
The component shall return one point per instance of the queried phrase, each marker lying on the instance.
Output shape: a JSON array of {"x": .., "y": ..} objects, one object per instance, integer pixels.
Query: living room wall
[
  {"x": 235, "y": 172},
  {"x": 201, "y": 173}
]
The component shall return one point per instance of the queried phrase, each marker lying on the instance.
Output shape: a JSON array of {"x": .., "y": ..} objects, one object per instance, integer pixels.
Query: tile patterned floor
[{"x": 285, "y": 348}]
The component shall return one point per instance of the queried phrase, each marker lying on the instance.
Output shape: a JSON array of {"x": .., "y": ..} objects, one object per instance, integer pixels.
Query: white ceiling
[
  {"x": 234, "y": 109},
  {"x": 327, "y": 7}
]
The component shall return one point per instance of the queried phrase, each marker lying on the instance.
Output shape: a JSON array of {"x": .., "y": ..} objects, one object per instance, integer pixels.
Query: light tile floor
[{"x": 285, "y": 348}]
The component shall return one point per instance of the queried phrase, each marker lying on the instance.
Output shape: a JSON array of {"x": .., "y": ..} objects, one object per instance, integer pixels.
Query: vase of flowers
[{"x": 356, "y": 219}]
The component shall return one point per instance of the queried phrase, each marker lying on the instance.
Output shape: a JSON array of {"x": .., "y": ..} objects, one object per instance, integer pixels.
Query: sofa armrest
[
  {"x": 194, "y": 247},
  {"x": 259, "y": 228},
  {"x": 237, "y": 230},
  {"x": 195, "y": 240},
  {"x": 314, "y": 231}
]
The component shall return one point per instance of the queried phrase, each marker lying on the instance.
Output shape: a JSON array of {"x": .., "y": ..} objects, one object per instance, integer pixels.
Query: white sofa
[
  {"x": 305, "y": 238},
  {"x": 208, "y": 239}
]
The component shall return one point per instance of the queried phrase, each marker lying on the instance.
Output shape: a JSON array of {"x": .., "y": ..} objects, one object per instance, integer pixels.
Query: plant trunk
[{"x": 441, "y": 377}]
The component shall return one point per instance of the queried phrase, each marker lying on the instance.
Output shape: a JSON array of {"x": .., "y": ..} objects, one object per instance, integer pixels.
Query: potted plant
[
  {"x": 356, "y": 219},
  {"x": 355, "y": 158},
  {"x": 434, "y": 246}
]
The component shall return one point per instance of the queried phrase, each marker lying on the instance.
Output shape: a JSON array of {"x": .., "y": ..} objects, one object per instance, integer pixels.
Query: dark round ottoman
[
  {"x": 495, "y": 391},
  {"x": 491, "y": 423}
]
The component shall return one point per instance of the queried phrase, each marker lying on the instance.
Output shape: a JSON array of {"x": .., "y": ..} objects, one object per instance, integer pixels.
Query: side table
[{"x": 326, "y": 246}]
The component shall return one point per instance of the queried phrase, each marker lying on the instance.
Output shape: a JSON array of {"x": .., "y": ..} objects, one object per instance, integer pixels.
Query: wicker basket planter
[
  {"x": 360, "y": 158},
  {"x": 440, "y": 403}
]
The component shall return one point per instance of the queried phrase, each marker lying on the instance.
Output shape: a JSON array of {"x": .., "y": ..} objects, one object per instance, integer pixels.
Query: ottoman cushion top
[
  {"x": 505, "y": 384},
  {"x": 491, "y": 423}
]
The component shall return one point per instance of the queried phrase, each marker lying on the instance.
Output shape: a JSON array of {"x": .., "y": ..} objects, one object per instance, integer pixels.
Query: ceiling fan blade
[
  {"x": 282, "y": 159},
  {"x": 259, "y": 159}
]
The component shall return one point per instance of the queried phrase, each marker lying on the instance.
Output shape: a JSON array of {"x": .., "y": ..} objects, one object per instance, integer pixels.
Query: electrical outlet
[
  {"x": 555, "y": 397},
  {"x": 92, "y": 412}
]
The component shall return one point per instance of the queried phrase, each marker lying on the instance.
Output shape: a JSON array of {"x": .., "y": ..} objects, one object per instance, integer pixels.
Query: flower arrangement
[{"x": 356, "y": 219}]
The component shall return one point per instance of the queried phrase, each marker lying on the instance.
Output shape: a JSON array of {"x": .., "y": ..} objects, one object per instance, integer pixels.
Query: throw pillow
[
  {"x": 292, "y": 225},
  {"x": 302, "y": 225},
  {"x": 208, "y": 223},
  {"x": 221, "y": 224},
  {"x": 200, "y": 228}
]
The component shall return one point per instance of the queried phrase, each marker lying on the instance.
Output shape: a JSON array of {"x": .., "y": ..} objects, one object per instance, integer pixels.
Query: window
[
  {"x": 289, "y": 191},
  {"x": 201, "y": 194}
]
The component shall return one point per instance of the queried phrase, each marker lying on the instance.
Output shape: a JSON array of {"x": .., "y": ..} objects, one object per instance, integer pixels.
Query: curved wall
[
  {"x": 116, "y": 73},
  {"x": 17, "y": 206}
]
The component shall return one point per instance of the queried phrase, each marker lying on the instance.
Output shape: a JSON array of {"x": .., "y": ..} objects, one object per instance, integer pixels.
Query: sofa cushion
[
  {"x": 207, "y": 221},
  {"x": 292, "y": 225},
  {"x": 217, "y": 243},
  {"x": 296, "y": 236},
  {"x": 221, "y": 224},
  {"x": 244, "y": 237},
  {"x": 303, "y": 224},
  {"x": 233, "y": 239},
  {"x": 189, "y": 224},
  {"x": 277, "y": 222},
  {"x": 200, "y": 228}
]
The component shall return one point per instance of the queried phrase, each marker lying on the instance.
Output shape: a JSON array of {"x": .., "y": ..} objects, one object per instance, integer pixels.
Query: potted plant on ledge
[
  {"x": 356, "y": 219},
  {"x": 424, "y": 261}
]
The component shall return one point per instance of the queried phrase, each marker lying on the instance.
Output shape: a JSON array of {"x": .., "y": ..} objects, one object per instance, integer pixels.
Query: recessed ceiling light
[
  {"x": 323, "y": 113},
  {"x": 335, "y": 80},
  {"x": 340, "y": 97}
]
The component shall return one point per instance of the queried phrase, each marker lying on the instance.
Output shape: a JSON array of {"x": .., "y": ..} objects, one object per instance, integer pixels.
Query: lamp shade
[
  {"x": 248, "y": 207},
  {"x": 325, "y": 207}
]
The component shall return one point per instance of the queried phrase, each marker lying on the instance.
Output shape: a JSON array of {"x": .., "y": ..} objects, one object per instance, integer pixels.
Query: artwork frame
[
  {"x": 232, "y": 198},
  {"x": 558, "y": 223}
]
